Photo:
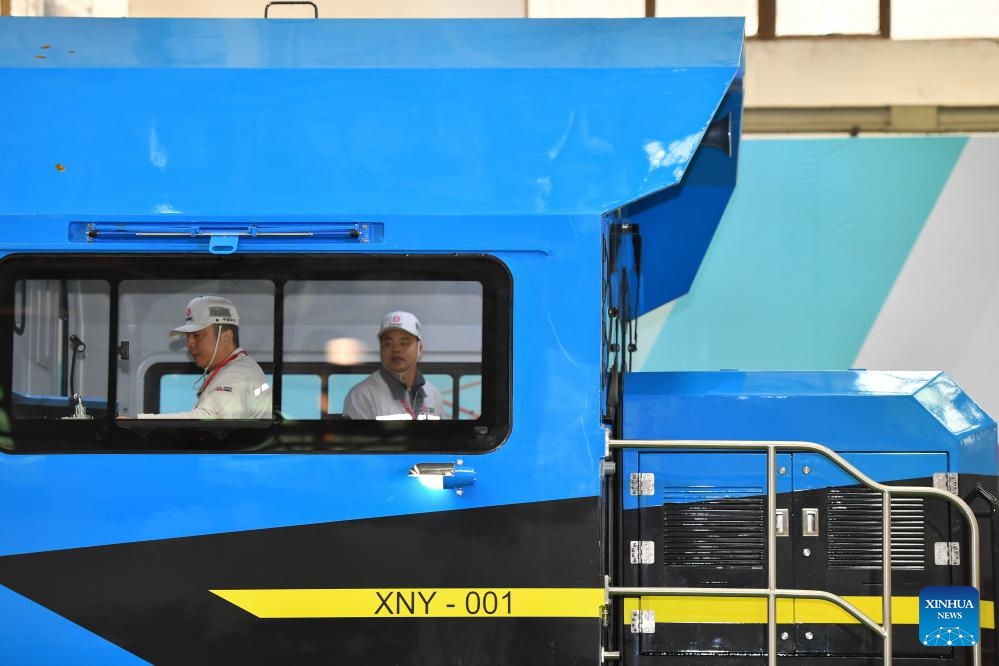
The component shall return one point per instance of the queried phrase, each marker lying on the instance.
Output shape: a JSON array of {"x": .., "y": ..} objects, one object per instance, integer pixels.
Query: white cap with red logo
[
  {"x": 405, "y": 321},
  {"x": 205, "y": 311}
]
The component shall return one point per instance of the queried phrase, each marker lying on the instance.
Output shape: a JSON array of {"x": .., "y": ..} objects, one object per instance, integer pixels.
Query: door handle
[
  {"x": 810, "y": 522},
  {"x": 781, "y": 525}
]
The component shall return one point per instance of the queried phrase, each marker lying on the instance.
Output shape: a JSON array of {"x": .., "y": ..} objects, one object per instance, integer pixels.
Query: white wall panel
[{"x": 943, "y": 311}]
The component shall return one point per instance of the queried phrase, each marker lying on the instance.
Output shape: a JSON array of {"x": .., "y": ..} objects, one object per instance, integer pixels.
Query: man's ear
[{"x": 419, "y": 351}]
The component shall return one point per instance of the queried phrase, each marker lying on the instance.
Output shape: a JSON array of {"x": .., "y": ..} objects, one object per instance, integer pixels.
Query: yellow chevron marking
[
  {"x": 750, "y": 610},
  {"x": 391, "y": 603}
]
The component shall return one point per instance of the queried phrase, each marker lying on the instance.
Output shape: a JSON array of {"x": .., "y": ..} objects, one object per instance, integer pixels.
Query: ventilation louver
[
  {"x": 714, "y": 527},
  {"x": 854, "y": 530}
]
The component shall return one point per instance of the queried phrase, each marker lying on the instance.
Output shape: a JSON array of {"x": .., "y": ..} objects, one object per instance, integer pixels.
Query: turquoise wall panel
[{"x": 813, "y": 239}]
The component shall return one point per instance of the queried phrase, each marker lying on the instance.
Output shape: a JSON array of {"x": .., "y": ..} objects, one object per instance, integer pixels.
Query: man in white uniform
[
  {"x": 232, "y": 385},
  {"x": 398, "y": 389}
]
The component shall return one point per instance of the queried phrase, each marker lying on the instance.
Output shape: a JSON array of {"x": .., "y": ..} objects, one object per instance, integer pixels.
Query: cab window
[{"x": 101, "y": 355}]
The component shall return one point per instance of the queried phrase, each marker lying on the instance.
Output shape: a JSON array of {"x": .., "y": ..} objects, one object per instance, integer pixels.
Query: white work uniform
[
  {"x": 382, "y": 394},
  {"x": 238, "y": 390}
]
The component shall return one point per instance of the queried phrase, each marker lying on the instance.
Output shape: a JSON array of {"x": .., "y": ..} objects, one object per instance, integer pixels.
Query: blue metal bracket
[{"x": 222, "y": 244}]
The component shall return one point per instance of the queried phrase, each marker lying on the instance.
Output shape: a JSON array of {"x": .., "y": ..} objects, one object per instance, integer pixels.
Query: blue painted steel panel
[
  {"x": 895, "y": 466},
  {"x": 300, "y": 121},
  {"x": 367, "y": 44},
  {"x": 556, "y": 417},
  {"x": 32, "y": 635},
  {"x": 848, "y": 411},
  {"x": 684, "y": 476},
  {"x": 246, "y": 118},
  {"x": 676, "y": 226},
  {"x": 742, "y": 474}
]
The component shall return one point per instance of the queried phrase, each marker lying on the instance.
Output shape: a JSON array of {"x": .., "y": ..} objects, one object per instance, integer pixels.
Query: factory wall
[{"x": 880, "y": 253}]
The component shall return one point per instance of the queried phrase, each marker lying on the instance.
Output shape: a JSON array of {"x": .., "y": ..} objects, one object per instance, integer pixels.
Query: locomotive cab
[{"x": 525, "y": 190}]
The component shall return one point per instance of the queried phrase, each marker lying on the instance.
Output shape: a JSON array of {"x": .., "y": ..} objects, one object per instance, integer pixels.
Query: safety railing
[{"x": 772, "y": 592}]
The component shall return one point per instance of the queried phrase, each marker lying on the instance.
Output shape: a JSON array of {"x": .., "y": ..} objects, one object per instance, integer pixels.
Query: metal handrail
[{"x": 771, "y": 591}]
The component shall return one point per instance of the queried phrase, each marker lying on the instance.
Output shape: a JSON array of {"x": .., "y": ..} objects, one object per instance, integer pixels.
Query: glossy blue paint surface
[
  {"x": 677, "y": 224},
  {"x": 683, "y": 477},
  {"x": 504, "y": 137},
  {"x": 381, "y": 44},
  {"x": 361, "y": 118},
  {"x": 556, "y": 425},
  {"x": 32, "y": 635},
  {"x": 856, "y": 413}
]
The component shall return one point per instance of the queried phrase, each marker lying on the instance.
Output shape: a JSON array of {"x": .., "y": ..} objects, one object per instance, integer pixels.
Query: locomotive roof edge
[{"x": 364, "y": 118}]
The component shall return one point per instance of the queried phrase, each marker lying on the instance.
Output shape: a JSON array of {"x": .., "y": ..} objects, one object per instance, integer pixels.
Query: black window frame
[{"x": 105, "y": 433}]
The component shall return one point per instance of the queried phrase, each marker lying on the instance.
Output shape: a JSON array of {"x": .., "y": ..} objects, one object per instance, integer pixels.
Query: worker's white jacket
[
  {"x": 383, "y": 395},
  {"x": 239, "y": 390}
]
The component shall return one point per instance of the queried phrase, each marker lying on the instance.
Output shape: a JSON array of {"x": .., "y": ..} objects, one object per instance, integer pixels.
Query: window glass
[
  {"x": 302, "y": 397},
  {"x": 160, "y": 322},
  {"x": 339, "y": 385},
  {"x": 60, "y": 347},
  {"x": 744, "y": 8},
  {"x": 120, "y": 331},
  {"x": 932, "y": 19},
  {"x": 175, "y": 392},
  {"x": 445, "y": 385},
  {"x": 820, "y": 17},
  {"x": 470, "y": 393},
  {"x": 336, "y": 325}
]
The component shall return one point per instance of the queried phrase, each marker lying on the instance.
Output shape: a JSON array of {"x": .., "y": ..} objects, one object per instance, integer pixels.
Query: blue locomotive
[{"x": 526, "y": 190}]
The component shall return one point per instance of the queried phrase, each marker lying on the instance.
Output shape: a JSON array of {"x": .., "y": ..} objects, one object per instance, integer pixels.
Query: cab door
[{"x": 698, "y": 519}]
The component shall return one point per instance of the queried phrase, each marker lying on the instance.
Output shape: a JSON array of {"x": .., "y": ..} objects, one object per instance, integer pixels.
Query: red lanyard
[
  {"x": 216, "y": 370},
  {"x": 407, "y": 408}
]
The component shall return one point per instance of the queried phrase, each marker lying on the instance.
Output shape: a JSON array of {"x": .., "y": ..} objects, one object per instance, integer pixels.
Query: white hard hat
[
  {"x": 405, "y": 321},
  {"x": 205, "y": 311}
]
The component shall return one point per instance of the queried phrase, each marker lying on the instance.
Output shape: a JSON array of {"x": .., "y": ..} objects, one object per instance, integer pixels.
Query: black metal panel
[
  {"x": 845, "y": 559},
  {"x": 153, "y": 598}
]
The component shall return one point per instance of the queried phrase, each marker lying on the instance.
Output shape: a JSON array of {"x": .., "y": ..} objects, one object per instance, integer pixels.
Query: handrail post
[
  {"x": 771, "y": 555},
  {"x": 886, "y": 573}
]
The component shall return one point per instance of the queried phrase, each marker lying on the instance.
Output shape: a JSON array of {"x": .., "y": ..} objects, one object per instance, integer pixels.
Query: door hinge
[
  {"x": 642, "y": 483},
  {"x": 643, "y": 552},
  {"x": 643, "y": 622},
  {"x": 945, "y": 481},
  {"x": 947, "y": 553}
]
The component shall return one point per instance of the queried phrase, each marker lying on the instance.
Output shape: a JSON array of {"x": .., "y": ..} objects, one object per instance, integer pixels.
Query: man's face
[
  {"x": 400, "y": 351},
  {"x": 201, "y": 345}
]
